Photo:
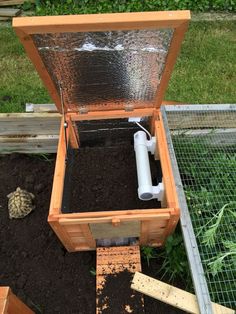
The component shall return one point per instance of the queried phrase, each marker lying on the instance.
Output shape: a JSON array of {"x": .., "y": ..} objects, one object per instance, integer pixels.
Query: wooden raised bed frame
[{"x": 74, "y": 230}]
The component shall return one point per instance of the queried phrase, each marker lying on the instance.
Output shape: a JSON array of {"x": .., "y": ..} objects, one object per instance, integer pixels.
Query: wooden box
[
  {"x": 10, "y": 304},
  {"x": 42, "y": 38}
]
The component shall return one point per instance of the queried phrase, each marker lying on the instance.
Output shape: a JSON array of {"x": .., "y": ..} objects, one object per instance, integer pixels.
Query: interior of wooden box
[
  {"x": 111, "y": 138},
  {"x": 101, "y": 174}
]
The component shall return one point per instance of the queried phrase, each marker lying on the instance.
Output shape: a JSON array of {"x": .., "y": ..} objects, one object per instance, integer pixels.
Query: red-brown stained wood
[
  {"x": 155, "y": 224},
  {"x": 10, "y": 304},
  {"x": 101, "y": 22},
  {"x": 74, "y": 229}
]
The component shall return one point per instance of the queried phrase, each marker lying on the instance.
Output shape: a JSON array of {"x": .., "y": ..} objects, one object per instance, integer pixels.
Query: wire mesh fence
[{"x": 204, "y": 141}]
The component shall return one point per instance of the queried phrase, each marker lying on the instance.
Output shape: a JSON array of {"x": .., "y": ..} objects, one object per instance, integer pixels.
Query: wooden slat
[
  {"x": 10, "y": 304},
  {"x": 158, "y": 212},
  {"x": 59, "y": 174},
  {"x": 171, "y": 295},
  {"x": 114, "y": 260},
  {"x": 16, "y": 306},
  {"x": 144, "y": 233},
  {"x": 101, "y": 22},
  {"x": 220, "y": 137},
  {"x": 111, "y": 114},
  {"x": 9, "y": 12},
  {"x": 40, "y": 108},
  {"x": 13, "y": 2},
  {"x": 68, "y": 221},
  {"x": 4, "y": 18},
  {"x": 3, "y": 306},
  {"x": 29, "y": 145},
  {"x": 196, "y": 119},
  {"x": 168, "y": 178},
  {"x": 29, "y": 124},
  {"x": 90, "y": 241},
  {"x": 29, "y": 133},
  {"x": 73, "y": 134}
]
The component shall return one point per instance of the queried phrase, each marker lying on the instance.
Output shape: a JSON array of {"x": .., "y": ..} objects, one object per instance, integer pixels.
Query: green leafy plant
[
  {"x": 224, "y": 260},
  {"x": 46, "y": 157},
  {"x": 148, "y": 253},
  {"x": 93, "y": 271},
  {"x": 174, "y": 260},
  {"x": 27, "y": 5},
  {"x": 209, "y": 180},
  {"x": 214, "y": 224}
]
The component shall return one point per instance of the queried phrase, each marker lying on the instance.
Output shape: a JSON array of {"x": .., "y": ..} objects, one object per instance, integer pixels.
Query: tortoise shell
[{"x": 20, "y": 203}]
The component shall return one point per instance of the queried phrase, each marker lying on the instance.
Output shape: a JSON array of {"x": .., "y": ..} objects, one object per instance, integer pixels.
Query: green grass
[
  {"x": 204, "y": 73},
  {"x": 19, "y": 82}
]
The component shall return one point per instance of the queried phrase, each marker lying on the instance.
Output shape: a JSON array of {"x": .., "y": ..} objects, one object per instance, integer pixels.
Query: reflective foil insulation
[{"x": 106, "y": 70}]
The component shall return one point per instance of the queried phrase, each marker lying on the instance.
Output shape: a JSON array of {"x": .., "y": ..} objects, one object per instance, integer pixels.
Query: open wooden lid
[{"x": 104, "y": 61}]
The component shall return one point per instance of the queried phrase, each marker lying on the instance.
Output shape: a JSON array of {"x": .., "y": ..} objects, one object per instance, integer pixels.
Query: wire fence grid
[{"x": 205, "y": 147}]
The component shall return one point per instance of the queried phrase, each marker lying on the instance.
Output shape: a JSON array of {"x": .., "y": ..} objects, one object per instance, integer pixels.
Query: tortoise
[{"x": 20, "y": 203}]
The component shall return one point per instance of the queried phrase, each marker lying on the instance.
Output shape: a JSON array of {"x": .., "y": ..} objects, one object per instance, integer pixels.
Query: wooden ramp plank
[
  {"x": 171, "y": 295},
  {"x": 112, "y": 261}
]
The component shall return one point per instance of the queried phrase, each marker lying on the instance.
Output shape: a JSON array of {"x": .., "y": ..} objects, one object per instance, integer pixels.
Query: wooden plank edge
[
  {"x": 171, "y": 295},
  {"x": 4, "y": 18},
  {"x": 102, "y": 22},
  {"x": 8, "y": 12},
  {"x": 13, "y": 2},
  {"x": 39, "y": 108}
]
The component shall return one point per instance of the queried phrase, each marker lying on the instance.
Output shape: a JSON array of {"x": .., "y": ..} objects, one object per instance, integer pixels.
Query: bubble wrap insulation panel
[{"x": 106, "y": 69}]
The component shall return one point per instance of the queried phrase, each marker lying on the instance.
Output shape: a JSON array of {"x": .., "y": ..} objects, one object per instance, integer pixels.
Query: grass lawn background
[{"x": 205, "y": 71}]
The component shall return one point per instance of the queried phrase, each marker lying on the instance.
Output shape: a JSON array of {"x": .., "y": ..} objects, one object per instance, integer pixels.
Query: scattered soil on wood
[
  {"x": 117, "y": 297},
  {"x": 32, "y": 260}
]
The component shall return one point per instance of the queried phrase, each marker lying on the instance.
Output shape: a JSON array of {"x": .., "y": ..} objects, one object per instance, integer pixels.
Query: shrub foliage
[{"x": 61, "y": 7}]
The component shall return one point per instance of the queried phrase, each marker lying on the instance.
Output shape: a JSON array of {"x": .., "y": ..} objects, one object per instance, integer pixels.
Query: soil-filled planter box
[
  {"x": 101, "y": 68},
  {"x": 81, "y": 230}
]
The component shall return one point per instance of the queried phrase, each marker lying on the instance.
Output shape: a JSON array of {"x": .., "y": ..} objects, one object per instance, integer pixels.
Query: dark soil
[
  {"x": 32, "y": 260},
  {"x": 105, "y": 178},
  {"x": 102, "y": 175},
  {"x": 154, "y": 306},
  {"x": 117, "y": 297}
]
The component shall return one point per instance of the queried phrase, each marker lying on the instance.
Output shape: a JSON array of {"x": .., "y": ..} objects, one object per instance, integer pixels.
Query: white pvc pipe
[{"x": 145, "y": 189}]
